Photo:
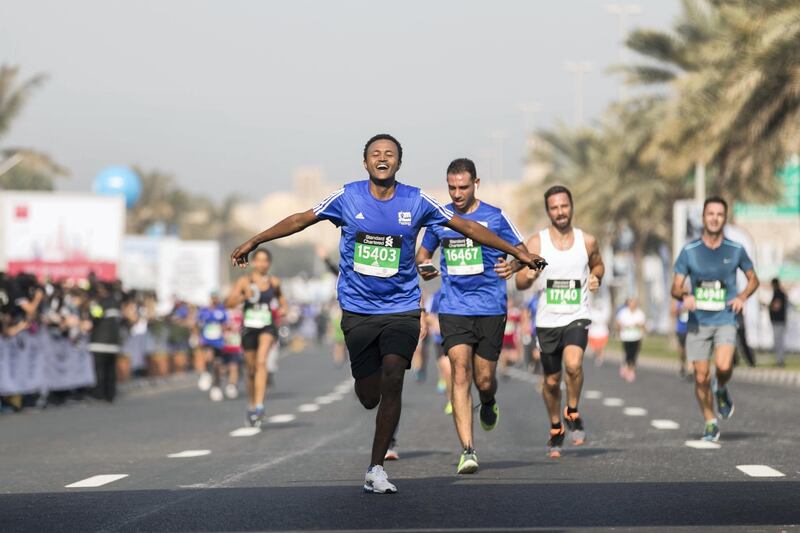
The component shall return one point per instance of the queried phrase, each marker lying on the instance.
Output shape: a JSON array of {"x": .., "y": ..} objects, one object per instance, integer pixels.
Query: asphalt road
[{"x": 304, "y": 471}]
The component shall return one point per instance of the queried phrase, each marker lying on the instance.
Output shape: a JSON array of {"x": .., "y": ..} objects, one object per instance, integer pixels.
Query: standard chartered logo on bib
[
  {"x": 563, "y": 295},
  {"x": 376, "y": 254},
  {"x": 462, "y": 257},
  {"x": 711, "y": 296}
]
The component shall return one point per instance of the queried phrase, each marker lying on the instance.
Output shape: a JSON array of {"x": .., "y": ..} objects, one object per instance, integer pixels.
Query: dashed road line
[
  {"x": 703, "y": 445},
  {"x": 592, "y": 394},
  {"x": 635, "y": 411},
  {"x": 759, "y": 471},
  {"x": 281, "y": 419},
  {"x": 189, "y": 453},
  {"x": 245, "y": 432},
  {"x": 96, "y": 481},
  {"x": 308, "y": 408},
  {"x": 613, "y": 402},
  {"x": 327, "y": 399},
  {"x": 664, "y": 424}
]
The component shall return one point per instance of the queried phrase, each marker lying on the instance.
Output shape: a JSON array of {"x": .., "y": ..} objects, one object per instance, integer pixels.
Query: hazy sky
[{"x": 231, "y": 96}]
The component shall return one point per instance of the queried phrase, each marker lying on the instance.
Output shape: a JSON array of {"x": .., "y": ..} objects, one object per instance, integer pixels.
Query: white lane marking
[
  {"x": 327, "y": 399},
  {"x": 759, "y": 471},
  {"x": 703, "y": 445},
  {"x": 95, "y": 481},
  {"x": 593, "y": 395},
  {"x": 281, "y": 419},
  {"x": 308, "y": 408},
  {"x": 635, "y": 411},
  {"x": 613, "y": 402},
  {"x": 664, "y": 424},
  {"x": 343, "y": 389},
  {"x": 245, "y": 432},
  {"x": 189, "y": 453}
]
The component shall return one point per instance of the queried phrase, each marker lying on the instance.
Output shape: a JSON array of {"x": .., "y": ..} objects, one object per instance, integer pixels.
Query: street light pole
[
  {"x": 623, "y": 11},
  {"x": 578, "y": 69}
]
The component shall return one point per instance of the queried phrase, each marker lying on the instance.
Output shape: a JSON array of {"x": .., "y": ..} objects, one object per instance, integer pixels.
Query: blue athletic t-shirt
[
  {"x": 470, "y": 286},
  {"x": 211, "y": 321},
  {"x": 377, "y": 271},
  {"x": 713, "y": 279}
]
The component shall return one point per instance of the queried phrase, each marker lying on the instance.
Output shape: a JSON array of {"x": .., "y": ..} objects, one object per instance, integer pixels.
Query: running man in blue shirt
[
  {"x": 472, "y": 307},
  {"x": 713, "y": 301},
  {"x": 378, "y": 289}
]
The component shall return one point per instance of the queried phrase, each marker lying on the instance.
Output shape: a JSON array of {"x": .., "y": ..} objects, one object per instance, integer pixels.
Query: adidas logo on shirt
[{"x": 360, "y": 216}]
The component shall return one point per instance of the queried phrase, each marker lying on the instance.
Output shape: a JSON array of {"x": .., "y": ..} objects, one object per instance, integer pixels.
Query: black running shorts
[
  {"x": 370, "y": 337},
  {"x": 552, "y": 342},
  {"x": 250, "y": 336},
  {"x": 483, "y": 333}
]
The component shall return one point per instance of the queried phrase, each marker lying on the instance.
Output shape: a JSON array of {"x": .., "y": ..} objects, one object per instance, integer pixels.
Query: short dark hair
[
  {"x": 462, "y": 164},
  {"x": 262, "y": 251},
  {"x": 557, "y": 189},
  {"x": 715, "y": 200},
  {"x": 385, "y": 137}
]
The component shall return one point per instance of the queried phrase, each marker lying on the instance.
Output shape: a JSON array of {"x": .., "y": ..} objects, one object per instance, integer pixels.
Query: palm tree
[
  {"x": 26, "y": 168},
  {"x": 736, "y": 102}
]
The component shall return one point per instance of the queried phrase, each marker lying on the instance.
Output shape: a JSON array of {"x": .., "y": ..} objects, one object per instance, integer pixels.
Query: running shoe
[
  {"x": 391, "y": 453},
  {"x": 377, "y": 481},
  {"x": 231, "y": 391},
  {"x": 448, "y": 408},
  {"x": 489, "y": 415},
  {"x": 724, "y": 403},
  {"x": 468, "y": 462},
  {"x": 216, "y": 394},
  {"x": 556, "y": 442},
  {"x": 205, "y": 382},
  {"x": 441, "y": 386},
  {"x": 259, "y": 413},
  {"x": 711, "y": 431},
  {"x": 574, "y": 423},
  {"x": 255, "y": 416}
]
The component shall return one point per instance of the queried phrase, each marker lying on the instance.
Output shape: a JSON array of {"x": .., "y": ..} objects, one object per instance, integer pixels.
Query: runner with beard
[{"x": 574, "y": 269}]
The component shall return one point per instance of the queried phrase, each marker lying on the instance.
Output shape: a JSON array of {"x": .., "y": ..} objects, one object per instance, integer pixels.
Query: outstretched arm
[
  {"x": 479, "y": 234},
  {"x": 288, "y": 226},
  {"x": 525, "y": 278}
]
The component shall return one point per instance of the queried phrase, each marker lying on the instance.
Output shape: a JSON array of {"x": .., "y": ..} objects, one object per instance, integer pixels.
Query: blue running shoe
[
  {"x": 724, "y": 403},
  {"x": 711, "y": 431}
]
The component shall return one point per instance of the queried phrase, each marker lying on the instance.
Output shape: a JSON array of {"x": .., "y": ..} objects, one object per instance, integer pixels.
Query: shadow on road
[{"x": 421, "y": 503}]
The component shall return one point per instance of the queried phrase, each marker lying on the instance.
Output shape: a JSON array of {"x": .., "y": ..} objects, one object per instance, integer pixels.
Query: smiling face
[
  {"x": 559, "y": 209},
  {"x": 714, "y": 217},
  {"x": 461, "y": 187},
  {"x": 382, "y": 161}
]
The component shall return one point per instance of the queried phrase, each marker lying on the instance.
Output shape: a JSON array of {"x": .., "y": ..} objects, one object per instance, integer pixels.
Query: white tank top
[{"x": 565, "y": 296}]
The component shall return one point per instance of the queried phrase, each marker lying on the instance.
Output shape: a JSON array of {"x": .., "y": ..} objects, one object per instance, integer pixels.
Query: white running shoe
[
  {"x": 205, "y": 381},
  {"x": 216, "y": 394},
  {"x": 231, "y": 391},
  {"x": 377, "y": 481}
]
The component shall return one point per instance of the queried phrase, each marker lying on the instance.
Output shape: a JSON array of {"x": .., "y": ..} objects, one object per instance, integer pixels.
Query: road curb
[{"x": 762, "y": 376}]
